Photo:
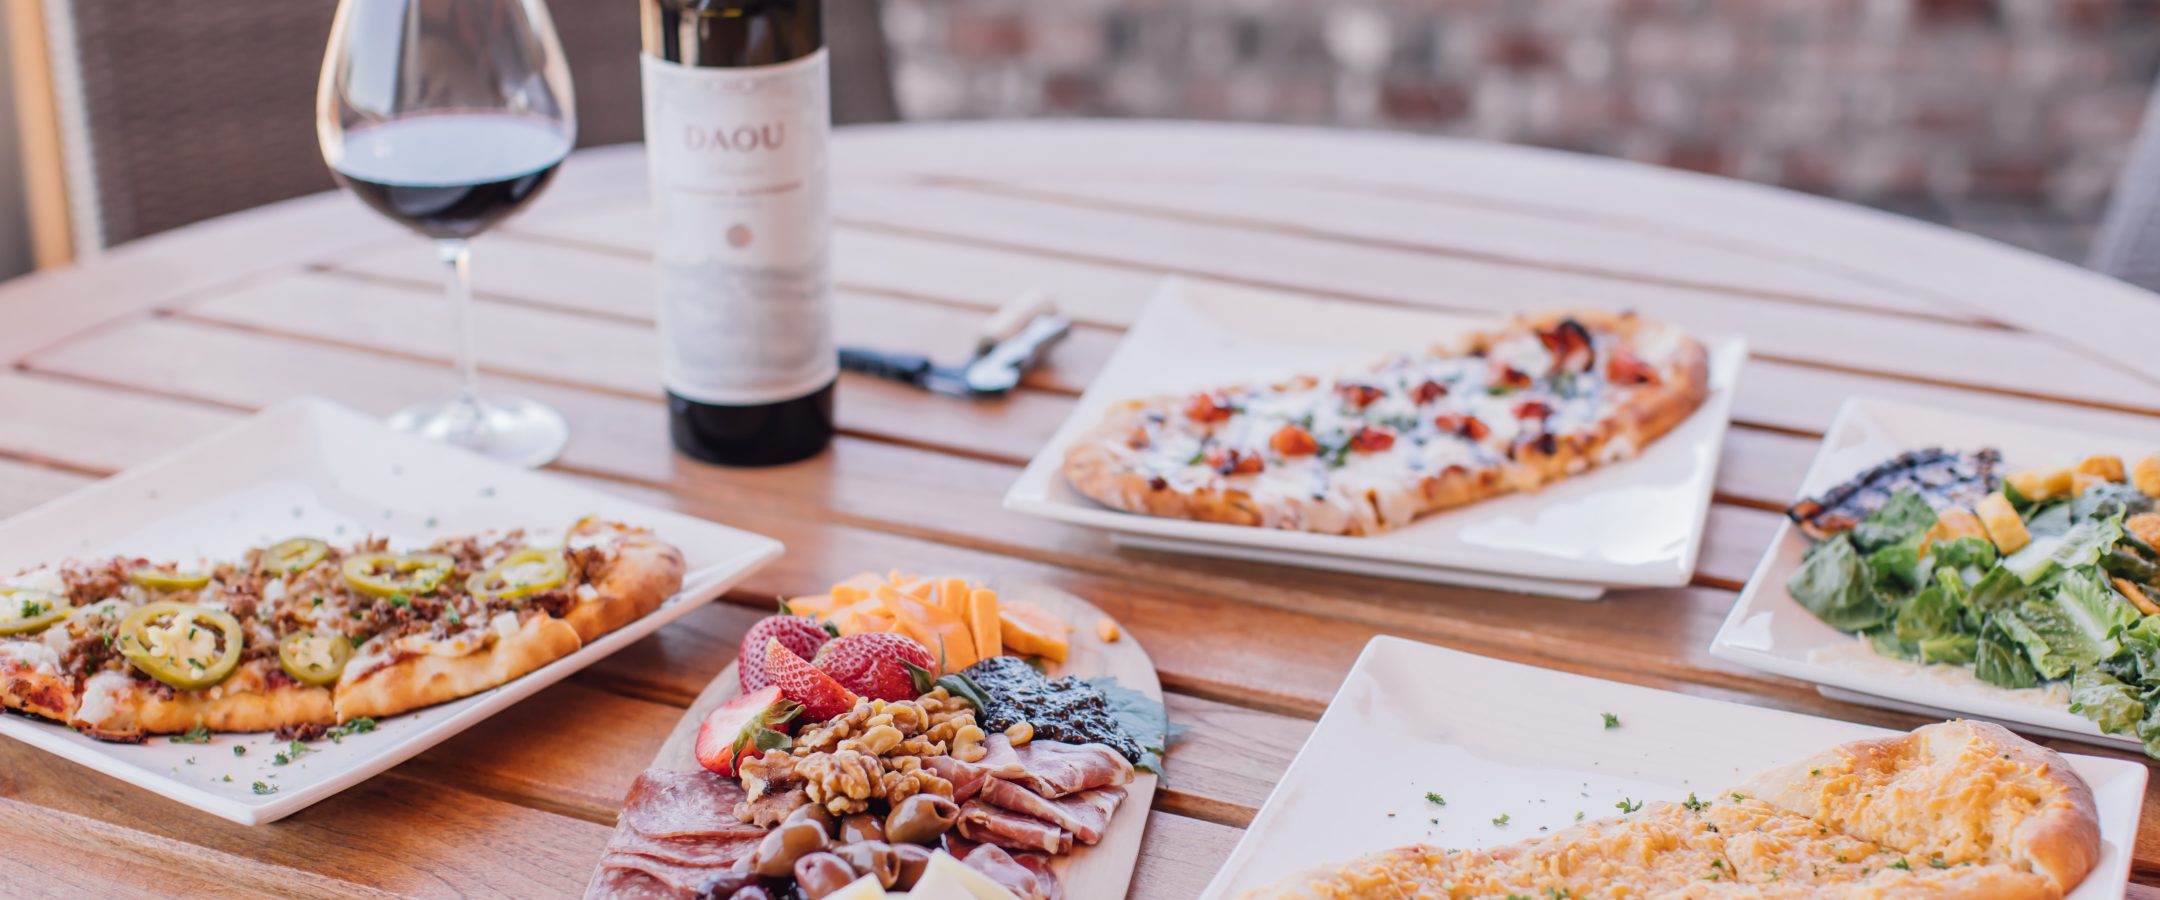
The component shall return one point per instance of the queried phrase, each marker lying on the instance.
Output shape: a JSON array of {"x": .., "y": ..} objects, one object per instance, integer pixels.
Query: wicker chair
[{"x": 171, "y": 114}]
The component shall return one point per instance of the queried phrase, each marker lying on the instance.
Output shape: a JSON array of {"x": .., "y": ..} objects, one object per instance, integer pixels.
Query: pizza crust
[
  {"x": 117, "y": 706},
  {"x": 31, "y": 681},
  {"x": 1967, "y": 791},
  {"x": 642, "y": 575},
  {"x": 1100, "y": 466},
  {"x": 414, "y": 681}
]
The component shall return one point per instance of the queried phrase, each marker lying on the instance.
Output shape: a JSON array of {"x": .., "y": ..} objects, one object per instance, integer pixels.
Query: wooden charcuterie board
[{"x": 1101, "y": 872}]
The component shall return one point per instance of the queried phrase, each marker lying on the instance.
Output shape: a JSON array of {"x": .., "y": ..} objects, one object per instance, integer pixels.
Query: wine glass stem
[{"x": 456, "y": 254}]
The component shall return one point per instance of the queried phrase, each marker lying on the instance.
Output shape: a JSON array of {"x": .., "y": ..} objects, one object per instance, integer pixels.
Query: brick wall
[{"x": 2017, "y": 101}]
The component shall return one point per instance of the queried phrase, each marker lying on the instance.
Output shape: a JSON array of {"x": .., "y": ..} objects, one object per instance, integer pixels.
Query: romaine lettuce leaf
[
  {"x": 2001, "y": 662},
  {"x": 1997, "y": 590},
  {"x": 1834, "y": 584},
  {"x": 1949, "y": 649},
  {"x": 1905, "y": 517},
  {"x": 1929, "y": 614},
  {"x": 2074, "y": 625},
  {"x": 2109, "y": 500},
  {"x": 1898, "y": 569},
  {"x": 1970, "y": 556},
  {"x": 2078, "y": 546},
  {"x": 2111, "y": 704}
]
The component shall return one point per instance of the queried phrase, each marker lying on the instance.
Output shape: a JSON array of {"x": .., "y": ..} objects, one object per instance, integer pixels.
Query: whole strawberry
[
  {"x": 801, "y": 634},
  {"x": 875, "y": 664},
  {"x": 821, "y": 697}
]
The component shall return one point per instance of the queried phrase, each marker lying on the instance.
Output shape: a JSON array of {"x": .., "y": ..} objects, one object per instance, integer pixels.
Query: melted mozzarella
[{"x": 46, "y": 580}]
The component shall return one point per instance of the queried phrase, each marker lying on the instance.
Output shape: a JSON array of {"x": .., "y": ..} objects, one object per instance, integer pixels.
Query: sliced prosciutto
[
  {"x": 999, "y": 761},
  {"x": 1053, "y": 770},
  {"x": 678, "y": 837},
  {"x": 1030, "y": 882},
  {"x": 988, "y": 824},
  {"x": 1085, "y": 814}
]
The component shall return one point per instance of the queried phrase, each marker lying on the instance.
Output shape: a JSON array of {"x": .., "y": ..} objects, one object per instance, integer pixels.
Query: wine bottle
[{"x": 737, "y": 113}]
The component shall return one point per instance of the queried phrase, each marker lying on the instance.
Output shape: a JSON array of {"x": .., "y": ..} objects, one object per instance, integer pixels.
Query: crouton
[
  {"x": 2002, "y": 523},
  {"x": 2041, "y": 484},
  {"x": 2106, "y": 465},
  {"x": 2146, "y": 475}
]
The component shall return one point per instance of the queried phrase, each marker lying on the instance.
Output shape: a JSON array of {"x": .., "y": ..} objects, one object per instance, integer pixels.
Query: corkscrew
[{"x": 1011, "y": 342}]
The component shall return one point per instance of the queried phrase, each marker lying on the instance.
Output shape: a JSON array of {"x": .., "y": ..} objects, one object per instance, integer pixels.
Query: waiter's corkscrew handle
[{"x": 909, "y": 368}]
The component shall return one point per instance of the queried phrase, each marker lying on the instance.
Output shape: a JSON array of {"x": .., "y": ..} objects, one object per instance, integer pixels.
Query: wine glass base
[{"x": 510, "y": 429}]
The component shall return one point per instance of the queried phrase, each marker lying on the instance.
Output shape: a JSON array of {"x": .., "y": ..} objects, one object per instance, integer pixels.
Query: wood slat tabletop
[{"x": 114, "y": 361}]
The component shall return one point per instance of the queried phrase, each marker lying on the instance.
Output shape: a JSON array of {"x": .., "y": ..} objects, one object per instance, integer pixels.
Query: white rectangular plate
[
  {"x": 1633, "y": 524},
  {"x": 307, "y": 467},
  {"x": 1768, "y": 630},
  {"x": 1530, "y": 744}
]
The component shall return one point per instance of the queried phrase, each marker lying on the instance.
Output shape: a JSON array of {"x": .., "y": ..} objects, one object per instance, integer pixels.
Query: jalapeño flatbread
[{"x": 304, "y": 635}]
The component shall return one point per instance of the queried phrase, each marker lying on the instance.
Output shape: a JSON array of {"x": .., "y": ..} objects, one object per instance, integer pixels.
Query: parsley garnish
[
  {"x": 1431, "y": 797},
  {"x": 1737, "y": 797},
  {"x": 1693, "y": 804},
  {"x": 1611, "y": 721},
  {"x": 263, "y": 789},
  {"x": 1578, "y": 815},
  {"x": 197, "y": 735},
  {"x": 451, "y": 616},
  {"x": 1938, "y": 862},
  {"x": 1627, "y": 805},
  {"x": 400, "y": 601},
  {"x": 1502, "y": 820},
  {"x": 1814, "y": 773},
  {"x": 360, "y": 725},
  {"x": 239, "y": 750},
  {"x": 1901, "y": 864}
]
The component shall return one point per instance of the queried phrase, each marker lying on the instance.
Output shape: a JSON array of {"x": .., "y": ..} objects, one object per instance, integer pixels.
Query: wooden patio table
[{"x": 115, "y": 360}]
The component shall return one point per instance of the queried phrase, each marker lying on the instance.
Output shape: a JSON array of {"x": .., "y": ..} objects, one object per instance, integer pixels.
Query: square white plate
[
  {"x": 1768, "y": 630},
  {"x": 307, "y": 467},
  {"x": 1532, "y": 746},
  {"x": 1633, "y": 524}
]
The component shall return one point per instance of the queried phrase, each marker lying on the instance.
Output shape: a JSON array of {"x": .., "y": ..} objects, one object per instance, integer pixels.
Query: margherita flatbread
[
  {"x": 305, "y": 635},
  {"x": 1953, "y": 810},
  {"x": 1511, "y": 409}
]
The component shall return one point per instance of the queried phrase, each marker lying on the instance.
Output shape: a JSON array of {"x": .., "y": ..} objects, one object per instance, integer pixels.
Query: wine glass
[{"x": 446, "y": 116}]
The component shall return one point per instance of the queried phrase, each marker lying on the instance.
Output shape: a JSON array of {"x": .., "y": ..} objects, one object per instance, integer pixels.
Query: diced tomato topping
[
  {"x": 1428, "y": 392},
  {"x": 1208, "y": 408},
  {"x": 1624, "y": 367},
  {"x": 1371, "y": 440},
  {"x": 1467, "y": 426},
  {"x": 1291, "y": 440},
  {"x": 1504, "y": 375},
  {"x": 1569, "y": 344},
  {"x": 1532, "y": 409},
  {"x": 1358, "y": 396},
  {"x": 1234, "y": 462}
]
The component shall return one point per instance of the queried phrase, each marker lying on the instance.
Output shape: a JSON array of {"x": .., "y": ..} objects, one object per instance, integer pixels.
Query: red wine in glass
[
  {"x": 446, "y": 116},
  {"x": 450, "y": 174}
]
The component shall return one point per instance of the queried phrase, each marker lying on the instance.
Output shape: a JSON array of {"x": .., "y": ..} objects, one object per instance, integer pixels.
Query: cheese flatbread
[
  {"x": 305, "y": 635},
  {"x": 1510, "y": 409},
  {"x": 1953, "y": 810}
]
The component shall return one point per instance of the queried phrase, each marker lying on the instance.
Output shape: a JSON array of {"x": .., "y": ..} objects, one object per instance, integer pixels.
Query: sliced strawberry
[
  {"x": 875, "y": 664},
  {"x": 748, "y": 725},
  {"x": 1428, "y": 392},
  {"x": 821, "y": 697},
  {"x": 800, "y": 634}
]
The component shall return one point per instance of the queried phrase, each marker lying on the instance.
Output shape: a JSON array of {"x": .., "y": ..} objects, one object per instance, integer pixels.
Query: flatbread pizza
[
  {"x": 303, "y": 635},
  {"x": 1513, "y": 408},
  {"x": 1958, "y": 809}
]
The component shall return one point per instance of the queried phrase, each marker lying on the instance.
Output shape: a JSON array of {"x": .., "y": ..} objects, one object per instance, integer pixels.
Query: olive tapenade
[{"x": 1064, "y": 709}]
